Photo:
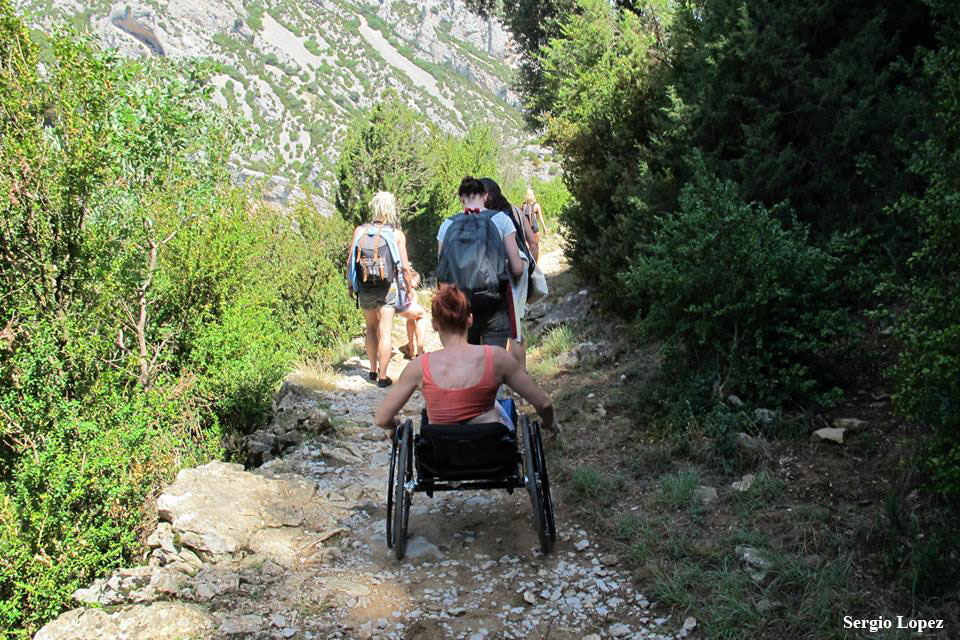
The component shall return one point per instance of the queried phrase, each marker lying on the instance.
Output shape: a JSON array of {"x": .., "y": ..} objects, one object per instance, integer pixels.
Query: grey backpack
[
  {"x": 374, "y": 258},
  {"x": 473, "y": 258}
]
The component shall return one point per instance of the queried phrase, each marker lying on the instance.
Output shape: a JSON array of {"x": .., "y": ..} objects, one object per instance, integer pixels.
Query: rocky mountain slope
[{"x": 298, "y": 72}]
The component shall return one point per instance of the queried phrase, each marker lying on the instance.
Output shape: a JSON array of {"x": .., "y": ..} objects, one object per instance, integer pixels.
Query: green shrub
[
  {"x": 928, "y": 372},
  {"x": 255, "y": 18},
  {"x": 762, "y": 328},
  {"x": 676, "y": 489},
  {"x": 313, "y": 47},
  {"x": 149, "y": 310}
]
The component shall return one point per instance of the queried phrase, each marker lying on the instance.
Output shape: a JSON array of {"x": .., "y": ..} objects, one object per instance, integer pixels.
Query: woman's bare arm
[
  {"x": 400, "y": 392},
  {"x": 518, "y": 380},
  {"x": 513, "y": 255}
]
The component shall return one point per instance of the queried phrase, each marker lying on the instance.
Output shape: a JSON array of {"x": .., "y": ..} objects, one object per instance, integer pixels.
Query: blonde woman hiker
[
  {"x": 379, "y": 274},
  {"x": 533, "y": 215}
]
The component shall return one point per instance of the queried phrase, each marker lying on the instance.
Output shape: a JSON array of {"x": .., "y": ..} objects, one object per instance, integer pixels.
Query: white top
[{"x": 501, "y": 220}]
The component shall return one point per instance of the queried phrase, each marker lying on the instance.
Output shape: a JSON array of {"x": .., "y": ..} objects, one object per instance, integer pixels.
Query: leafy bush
[
  {"x": 149, "y": 307},
  {"x": 928, "y": 372},
  {"x": 759, "y": 328}
]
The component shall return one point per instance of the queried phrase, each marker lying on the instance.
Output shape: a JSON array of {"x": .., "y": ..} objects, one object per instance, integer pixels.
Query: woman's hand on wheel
[{"x": 390, "y": 433}]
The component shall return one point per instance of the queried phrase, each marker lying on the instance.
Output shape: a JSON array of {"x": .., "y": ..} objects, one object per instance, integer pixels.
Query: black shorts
[{"x": 491, "y": 326}]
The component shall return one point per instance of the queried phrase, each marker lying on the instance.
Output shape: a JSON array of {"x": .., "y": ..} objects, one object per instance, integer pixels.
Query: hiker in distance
[
  {"x": 379, "y": 273},
  {"x": 532, "y": 214},
  {"x": 460, "y": 382},
  {"x": 478, "y": 252}
]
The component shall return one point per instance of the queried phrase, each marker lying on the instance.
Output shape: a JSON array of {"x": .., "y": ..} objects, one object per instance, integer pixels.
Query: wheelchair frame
[{"x": 529, "y": 472}]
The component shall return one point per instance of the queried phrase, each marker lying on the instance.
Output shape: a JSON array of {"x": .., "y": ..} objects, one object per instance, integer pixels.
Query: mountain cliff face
[{"x": 299, "y": 71}]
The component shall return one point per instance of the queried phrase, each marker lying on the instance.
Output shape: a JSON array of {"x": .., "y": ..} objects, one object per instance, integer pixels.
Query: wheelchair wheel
[
  {"x": 534, "y": 481},
  {"x": 545, "y": 485},
  {"x": 390, "y": 489},
  {"x": 401, "y": 495}
]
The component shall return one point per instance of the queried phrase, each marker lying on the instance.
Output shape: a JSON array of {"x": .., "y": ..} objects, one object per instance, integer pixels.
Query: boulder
[
  {"x": 550, "y": 313},
  {"x": 754, "y": 562},
  {"x": 298, "y": 414},
  {"x": 851, "y": 424},
  {"x": 419, "y": 548},
  {"x": 735, "y": 400},
  {"x": 705, "y": 495},
  {"x": 828, "y": 434},
  {"x": 156, "y": 621},
  {"x": 750, "y": 447},
  {"x": 296, "y": 396},
  {"x": 568, "y": 359},
  {"x": 219, "y": 510},
  {"x": 765, "y": 416},
  {"x": 744, "y": 483}
]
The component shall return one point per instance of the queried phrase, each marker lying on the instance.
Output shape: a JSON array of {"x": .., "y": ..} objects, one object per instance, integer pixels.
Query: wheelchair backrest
[{"x": 450, "y": 450}]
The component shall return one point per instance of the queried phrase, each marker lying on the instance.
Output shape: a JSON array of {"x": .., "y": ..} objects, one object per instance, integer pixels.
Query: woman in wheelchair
[{"x": 460, "y": 382}]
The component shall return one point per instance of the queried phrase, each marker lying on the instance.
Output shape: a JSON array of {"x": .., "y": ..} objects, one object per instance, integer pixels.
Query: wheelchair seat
[
  {"x": 465, "y": 451},
  {"x": 468, "y": 457}
]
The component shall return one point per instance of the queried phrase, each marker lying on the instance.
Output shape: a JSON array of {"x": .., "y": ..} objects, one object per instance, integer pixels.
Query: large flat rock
[
  {"x": 220, "y": 511},
  {"x": 156, "y": 621}
]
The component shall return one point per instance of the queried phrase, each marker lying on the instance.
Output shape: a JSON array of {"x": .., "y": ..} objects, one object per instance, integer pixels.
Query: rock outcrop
[
  {"x": 221, "y": 530},
  {"x": 157, "y": 621}
]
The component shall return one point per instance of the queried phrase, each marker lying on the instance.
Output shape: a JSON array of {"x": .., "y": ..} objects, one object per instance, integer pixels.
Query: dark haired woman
[
  {"x": 495, "y": 200},
  {"x": 459, "y": 382},
  {"x": 492, "y": 325}
]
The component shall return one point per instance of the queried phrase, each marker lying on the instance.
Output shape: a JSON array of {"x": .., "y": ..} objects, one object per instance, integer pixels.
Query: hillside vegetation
[
  {"x": 297, "y": 73},
  {"x": 769, "y": 192},
  {"x": 149, "y": 308}
]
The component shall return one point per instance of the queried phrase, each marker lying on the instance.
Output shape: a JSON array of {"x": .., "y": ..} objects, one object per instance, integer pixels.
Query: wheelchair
[{"x": 468, "y": 457}]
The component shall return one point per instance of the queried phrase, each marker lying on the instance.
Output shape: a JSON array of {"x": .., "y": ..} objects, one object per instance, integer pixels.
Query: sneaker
[
  {"x": 372, "y": 376},
  {"x": 386, "y": 382}
]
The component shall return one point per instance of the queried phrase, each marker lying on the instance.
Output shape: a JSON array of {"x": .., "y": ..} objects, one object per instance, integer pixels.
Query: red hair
[{"x": 450, "y": 309}]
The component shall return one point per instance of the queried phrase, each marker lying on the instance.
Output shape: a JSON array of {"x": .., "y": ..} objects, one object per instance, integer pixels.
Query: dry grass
[{"x": 316, "y": 376}]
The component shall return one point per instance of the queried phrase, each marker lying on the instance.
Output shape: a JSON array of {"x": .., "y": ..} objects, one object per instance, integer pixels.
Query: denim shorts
[{"x": 376, "y": 297}]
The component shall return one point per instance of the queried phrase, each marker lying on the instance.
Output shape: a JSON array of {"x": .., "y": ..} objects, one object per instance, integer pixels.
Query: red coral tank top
[{"x": 451, "y": 406}]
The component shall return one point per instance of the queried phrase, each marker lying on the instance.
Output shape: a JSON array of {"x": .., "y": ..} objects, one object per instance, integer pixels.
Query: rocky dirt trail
[{"x": 295, "y": 548}]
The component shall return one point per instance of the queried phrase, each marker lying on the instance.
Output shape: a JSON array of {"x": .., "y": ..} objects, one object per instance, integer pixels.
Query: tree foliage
[
  {"x": 928, "y": 374},
  {"x": 749, "y": 178},
  {"x": 389, "y": 148},
  {"x": 148, "y": 308},
  {"x": 769, "y": 325}
]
